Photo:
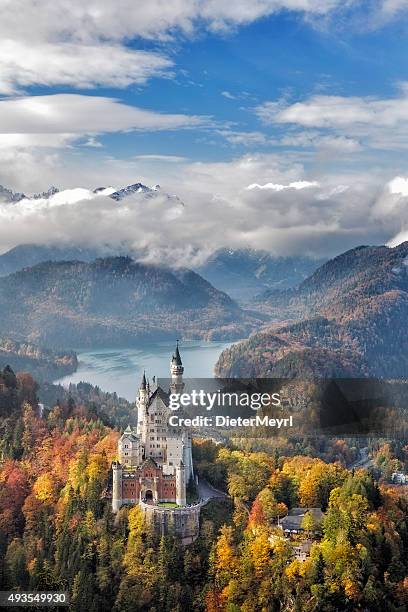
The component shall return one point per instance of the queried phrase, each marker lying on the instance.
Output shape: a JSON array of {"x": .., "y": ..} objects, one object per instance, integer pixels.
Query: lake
[{"x": 121, "y": 370}]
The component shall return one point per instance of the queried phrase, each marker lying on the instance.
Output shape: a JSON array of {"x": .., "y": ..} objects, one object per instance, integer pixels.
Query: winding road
[{"x": 207, "y": 492}]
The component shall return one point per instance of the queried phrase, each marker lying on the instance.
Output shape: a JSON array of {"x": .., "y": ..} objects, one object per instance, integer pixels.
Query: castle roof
[
  {"x": 159, "y": 393},
  {"x": 176, "y": 359},
  {"x": 129, "y": 433},
  {"x": 149, "y": 461},
  {"x": 144, "y": 383}
]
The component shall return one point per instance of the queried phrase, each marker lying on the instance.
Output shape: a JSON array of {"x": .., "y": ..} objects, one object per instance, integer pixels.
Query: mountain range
[
  {"x": 334, "y": 318},
  {"x": 11, "y": 197},
  {"x": 115, "y": 301},
  {"x": 8, "y": 196},
  {"x": 242, "y": 273},
  {"x": 245, "y": 273},
  {"x": 347, "y": 319},
  {"x": 340, "y": 321},
  {"x": 28, "y": 255}
]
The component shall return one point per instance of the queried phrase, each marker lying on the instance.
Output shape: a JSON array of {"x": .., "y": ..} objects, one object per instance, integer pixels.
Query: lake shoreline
[{"x": 119, "y": 370}]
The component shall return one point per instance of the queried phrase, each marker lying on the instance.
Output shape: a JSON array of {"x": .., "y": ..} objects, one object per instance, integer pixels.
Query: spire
[
  {"x": 144, "y": 384},
  {"x": 176, "y": 357}
]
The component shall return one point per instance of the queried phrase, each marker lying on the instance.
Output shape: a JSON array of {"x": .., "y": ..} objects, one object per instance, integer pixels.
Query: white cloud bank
[
  {"x": 57, "y": 120},
  {"x": 350, "y": 122},
  {"x": 291, "y": 215},
  {"x": 80, "y": 66},
  {"x": 276, "y": 187},
  {"x": 87, "y": 44}
]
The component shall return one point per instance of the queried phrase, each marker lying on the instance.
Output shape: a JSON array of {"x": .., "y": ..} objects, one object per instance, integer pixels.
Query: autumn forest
[{"x": 57, "y": 531}]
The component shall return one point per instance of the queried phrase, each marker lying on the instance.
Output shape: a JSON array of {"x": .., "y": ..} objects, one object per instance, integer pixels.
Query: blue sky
[
  {"x": 293, "y": 108},
  {"x": 227, "y": 75}
]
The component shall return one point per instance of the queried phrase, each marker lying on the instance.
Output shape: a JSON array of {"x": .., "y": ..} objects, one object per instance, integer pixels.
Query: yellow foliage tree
[{"x": 45, "y": 488}]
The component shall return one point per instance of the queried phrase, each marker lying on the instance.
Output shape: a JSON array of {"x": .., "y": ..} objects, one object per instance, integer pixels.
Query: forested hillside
[
  {"x": 115, "y": 301},
  {"x": 44, "y": 364},
  {"x": 346, "y": 316},
  {"x": 57, "y": 530}
]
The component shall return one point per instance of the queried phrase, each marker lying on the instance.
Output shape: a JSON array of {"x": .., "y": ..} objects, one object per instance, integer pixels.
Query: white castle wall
[
  {"x": 183, "y": 522},
  {"x": 116, "y": 486}
]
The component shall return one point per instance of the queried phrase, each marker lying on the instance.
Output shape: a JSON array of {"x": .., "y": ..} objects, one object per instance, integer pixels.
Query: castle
[{"x": 155, "y": 460}]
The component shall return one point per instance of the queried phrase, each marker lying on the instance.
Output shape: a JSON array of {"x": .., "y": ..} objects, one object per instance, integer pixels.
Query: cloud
[
  {"x": 77, "y": 65},
  {"x": 228, "y": 95},
  {"x": 91, "y": 44},
  {"x": 390, "y": 8},
  {"x": 85, "y": 44},
  {"x": 247, "y": 139},
  {"x": 92, "y": 142},
  {"x": 324, "y": 142},
  {"x": 276, "y": 187},
  {"x": 399, "y": 185},
  {"x": 174, "y": 159},
  {"x": 223, "y": 180},
  {"x": 330, "y": 112},
  {"x": 352, "y": 122},
  {"x": 222, "y": 14},
  {"x": 123, "y": 20},
  {"x": 289, "y": 212},
  {"x": 57, "y": 120}
]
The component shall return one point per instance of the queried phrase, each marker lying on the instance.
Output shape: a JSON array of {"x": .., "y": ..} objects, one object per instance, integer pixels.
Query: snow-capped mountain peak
[
  {"x": 131, "y": 189},
  {"x": 69, "y": 196},
  {"x": 9, "y": 196},
  {"x": 45, "y": 194}
]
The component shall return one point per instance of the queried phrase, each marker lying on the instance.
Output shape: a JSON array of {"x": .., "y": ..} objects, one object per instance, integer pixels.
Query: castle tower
[
  {"x": 129, "y": 448},
  {"x": 176, "y": 371},
  {"x": 188, "y": 456},
  {"x": 117, "y": 486},
  {"x": 141, "y": 404},
  {"x": 181, "y": 485}
]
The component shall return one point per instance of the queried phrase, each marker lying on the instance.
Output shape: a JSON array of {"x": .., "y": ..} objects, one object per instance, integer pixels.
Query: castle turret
[
  {"x": 176, "y": 371},
  {"x": 116, "y": 486},
  {"x": 143, "y": 388},
  {"x": 188, "y": 456},
  {"x": 141, "y": 403},
  {"x": 181, "y": 485}
]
